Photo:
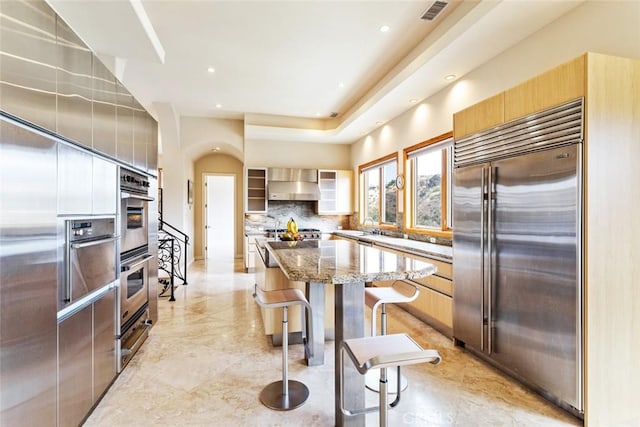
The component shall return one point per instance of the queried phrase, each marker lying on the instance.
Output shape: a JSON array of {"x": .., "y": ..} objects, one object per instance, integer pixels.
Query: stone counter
[
  {"x": 430, "y": 250},
  {"x": 343, "y": 262}
]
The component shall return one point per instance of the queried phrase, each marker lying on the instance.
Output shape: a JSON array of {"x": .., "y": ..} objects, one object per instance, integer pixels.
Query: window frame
[
  {"x": 446, "y": 197},
  {"x": 379, "y": 164}
]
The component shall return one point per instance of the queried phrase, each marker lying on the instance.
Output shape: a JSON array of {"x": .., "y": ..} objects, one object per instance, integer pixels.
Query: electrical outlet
[
  {"x": 406, "y": 236},
  {"x": 432, "y": 239}
]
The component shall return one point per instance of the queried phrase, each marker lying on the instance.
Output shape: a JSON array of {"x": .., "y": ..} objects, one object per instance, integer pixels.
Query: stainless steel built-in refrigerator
[{"x": 517, "y": 209}]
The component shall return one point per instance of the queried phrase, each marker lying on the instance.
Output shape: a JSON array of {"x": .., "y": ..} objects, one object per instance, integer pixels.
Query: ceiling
[{"x": 285, "y": 66}]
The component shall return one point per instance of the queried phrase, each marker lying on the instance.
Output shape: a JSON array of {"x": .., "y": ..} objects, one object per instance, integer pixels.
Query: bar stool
[
  {"x": 381, "y": 352},
  {"x": 285, "y": 394},
  {"x": 399, "y": 292}
]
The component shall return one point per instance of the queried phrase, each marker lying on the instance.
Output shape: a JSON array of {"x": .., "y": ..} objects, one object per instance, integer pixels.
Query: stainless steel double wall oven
[{"x": 136, "y": 260}]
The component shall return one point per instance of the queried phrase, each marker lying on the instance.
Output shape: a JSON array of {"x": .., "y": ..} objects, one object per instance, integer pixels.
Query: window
[
  {"x": 428, "y": 191},
  {"x": 378, "y": 194}
]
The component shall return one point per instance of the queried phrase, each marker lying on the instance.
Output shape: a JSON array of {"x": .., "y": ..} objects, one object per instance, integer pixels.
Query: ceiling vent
[
  {"x": 333, "y": 115},
  {"x": 434, "y": 10}
]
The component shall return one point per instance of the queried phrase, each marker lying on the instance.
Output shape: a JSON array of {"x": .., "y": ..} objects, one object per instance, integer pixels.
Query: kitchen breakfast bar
[{"x": 349, "y": 266}]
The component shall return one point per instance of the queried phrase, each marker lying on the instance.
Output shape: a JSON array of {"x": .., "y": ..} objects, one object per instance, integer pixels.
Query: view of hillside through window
[
  {"x": 372, "y": 180},
  {"x": 389, "y": 173},
  {"x": 428, "y": 191},
  {"x": 386, "y": 192}
]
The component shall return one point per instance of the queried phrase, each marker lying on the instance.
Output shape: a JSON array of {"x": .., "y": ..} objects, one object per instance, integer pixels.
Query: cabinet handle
[{"x": 93, "y": 243}]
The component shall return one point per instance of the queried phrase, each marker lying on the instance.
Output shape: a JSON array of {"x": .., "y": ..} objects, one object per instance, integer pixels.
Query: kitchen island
[{"x": 347, "y": 265}]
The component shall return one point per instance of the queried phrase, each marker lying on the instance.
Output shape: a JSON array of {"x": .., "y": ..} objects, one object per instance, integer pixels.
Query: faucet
[
  {"x": 368, "y": 220},
  {"x": 275, "y": 229}
]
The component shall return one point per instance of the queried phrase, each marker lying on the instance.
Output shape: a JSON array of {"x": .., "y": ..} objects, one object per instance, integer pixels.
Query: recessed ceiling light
[
  {"x": 211, "y": 70},
  {"x": 340, "y": 84},
  {"x": 413, "y": 101},
  {"x": 218, "y": 105},
  {"x": 317, "y": 114},
  {"x": 379, "y": 123},
  {"x": 450, "y": 77},
  {"x": 385, "y": 28},
  {"x": 215, "y": 149}
]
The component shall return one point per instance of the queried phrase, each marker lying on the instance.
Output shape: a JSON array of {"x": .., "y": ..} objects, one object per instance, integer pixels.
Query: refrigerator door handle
[
  {"x": 483, "y": 212},
  {"x": 491, "y": 186}
]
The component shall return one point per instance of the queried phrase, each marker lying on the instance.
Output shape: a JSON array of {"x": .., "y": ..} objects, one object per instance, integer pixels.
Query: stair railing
[{"x": 172, "y": 253}]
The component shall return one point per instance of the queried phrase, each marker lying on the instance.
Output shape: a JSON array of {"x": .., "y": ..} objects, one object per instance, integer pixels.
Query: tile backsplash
[{"x": 303, "y": 213}]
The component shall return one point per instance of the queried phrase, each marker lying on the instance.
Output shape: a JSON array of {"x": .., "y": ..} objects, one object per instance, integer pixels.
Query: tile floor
[{"x": 206, "y": 361}]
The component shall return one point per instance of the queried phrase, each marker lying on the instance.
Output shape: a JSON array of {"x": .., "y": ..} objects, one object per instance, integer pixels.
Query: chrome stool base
[
  {"x": 372, "y": 381},
  {"x": 272, "y": 397},
  {"x": 286, "y": 394}
]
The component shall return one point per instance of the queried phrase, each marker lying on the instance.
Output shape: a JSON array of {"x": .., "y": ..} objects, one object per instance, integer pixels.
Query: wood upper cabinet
[
  {"x": 335, "y": 192},
  {"x": 256, "y": 195},
  {"x": 483, "y": 115},
  {"x": 557, "y": 86}
]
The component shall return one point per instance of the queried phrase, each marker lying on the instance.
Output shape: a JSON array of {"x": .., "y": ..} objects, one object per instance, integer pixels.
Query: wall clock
[{"x": 400, "y": 182}]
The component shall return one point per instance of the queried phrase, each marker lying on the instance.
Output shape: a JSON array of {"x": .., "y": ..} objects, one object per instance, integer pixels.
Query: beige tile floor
[{"x": 206, "y": 361}]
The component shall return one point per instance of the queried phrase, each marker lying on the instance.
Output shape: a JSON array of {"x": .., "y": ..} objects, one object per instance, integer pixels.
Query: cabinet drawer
[
  {"x": 444, "y": 268},
  {"x": 434, "y": 305},
  {"x": 437, "y": 283}
]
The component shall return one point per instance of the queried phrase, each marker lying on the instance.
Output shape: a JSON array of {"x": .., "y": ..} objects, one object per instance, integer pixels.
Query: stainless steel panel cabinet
[
  {"x": 124, "y": 124},
  {"x": 29, "y": 266},
  {"x": 104, "y": 343},
  {"x": 75, "y": 185},
  {"x": 534, "y": 261},
  {"x": 516, "y": 253},
  {"x": 87, "y": 184},
  {"x": 153, "y": 249},
  {"x": 469, "y": 252},
  {"x": 152, "y": 148},
  {"x": 28, "y": 63},
  {"x": 105, "y": 187},
  {"x": 141, "y": 136},
  {"x": 75, "y": 87},
  {"x": 104, "y": 109},
  {"x": 75, "y": 388}
]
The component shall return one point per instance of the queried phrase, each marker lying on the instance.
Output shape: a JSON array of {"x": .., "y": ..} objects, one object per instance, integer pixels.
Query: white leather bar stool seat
[
  {"x": 399, "y": 292},
  {"x": 285, "y": 394},
  {"x": 381, "y": 352}
]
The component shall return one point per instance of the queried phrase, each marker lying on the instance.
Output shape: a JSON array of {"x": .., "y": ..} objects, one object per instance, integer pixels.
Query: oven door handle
[
  {"x": 93, "y": 243},
  {"x": 124, "y": 195},
  {"x": 136, "y": 264}
]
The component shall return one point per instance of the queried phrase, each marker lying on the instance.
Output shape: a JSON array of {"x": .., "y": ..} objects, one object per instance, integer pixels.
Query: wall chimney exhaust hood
[{"x": 293, "y": 184}]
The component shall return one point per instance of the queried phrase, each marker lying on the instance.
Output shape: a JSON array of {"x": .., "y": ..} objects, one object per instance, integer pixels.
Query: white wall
[
  {"x": 604, "y": 27},
  {"x": 201, "y": 134},
  {"x": 173, "y": 174}
]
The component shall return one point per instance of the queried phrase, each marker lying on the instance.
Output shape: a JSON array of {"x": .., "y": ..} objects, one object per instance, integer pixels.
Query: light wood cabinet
[
  {"x": 611, "y": 200},
  {"x": 434, "y": 304},
  {"x": 256, "y": 194},
  {"x": 557, "y": 86},
  {"x": 272, "y": 278},
  {"x": 483, "y": 115},
  {"x": 335, "y": 192},
  {"x": 249, "y": 253},
  {"x": 612, "y": 228}
]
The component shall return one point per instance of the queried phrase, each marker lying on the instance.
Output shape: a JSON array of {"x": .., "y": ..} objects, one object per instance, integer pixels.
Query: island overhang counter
[{"x": 349, "y": 266}]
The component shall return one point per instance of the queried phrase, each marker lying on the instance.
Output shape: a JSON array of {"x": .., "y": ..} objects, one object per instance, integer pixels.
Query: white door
[{"x": 220, "y": 217}]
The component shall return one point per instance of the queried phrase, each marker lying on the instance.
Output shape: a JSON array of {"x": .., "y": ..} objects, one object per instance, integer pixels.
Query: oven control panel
[{"x": 133, "y": 182}]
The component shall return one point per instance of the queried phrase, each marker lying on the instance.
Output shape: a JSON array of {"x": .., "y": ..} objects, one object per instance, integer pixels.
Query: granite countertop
[
  {"x": 415, "y": 247},
  {"x": 343, "y": 262}
]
